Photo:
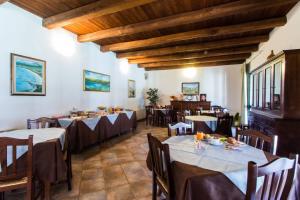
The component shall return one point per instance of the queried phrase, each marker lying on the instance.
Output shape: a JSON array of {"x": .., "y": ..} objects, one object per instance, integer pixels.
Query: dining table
[
  {"x": 204, "y": 171},
  {"x": 203, "y": 123},
  {"x": 48, "y": 161},
  {"x": 87, "y": 131}
]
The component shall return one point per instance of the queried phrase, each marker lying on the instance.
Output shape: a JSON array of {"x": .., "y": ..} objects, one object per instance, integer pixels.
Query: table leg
[{"x": 47, "y": 190}]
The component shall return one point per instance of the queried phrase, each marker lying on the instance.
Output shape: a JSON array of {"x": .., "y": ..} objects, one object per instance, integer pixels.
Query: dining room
[{"x": 149, "y": 99}]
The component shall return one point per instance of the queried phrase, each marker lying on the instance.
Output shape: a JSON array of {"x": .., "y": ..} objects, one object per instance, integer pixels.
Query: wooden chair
[
  {"x": 43, "y": 122},
  {"x": 161, "y": 168},
  {"x": 278, "y": 179},
  {"x": 180, "y": 128},
  {"x": 149, "y": 115},
  {"x": 13, "y": 177},
  {"x": 258, "y": 140},
  {"x": 180, "y": 117},
  {"x": 224, "y": 125}
]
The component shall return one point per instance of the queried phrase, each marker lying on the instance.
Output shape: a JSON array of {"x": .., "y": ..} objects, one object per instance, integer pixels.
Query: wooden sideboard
[
  {"x": 190, "y": 105},
  {"x": 275, "y": 100}
]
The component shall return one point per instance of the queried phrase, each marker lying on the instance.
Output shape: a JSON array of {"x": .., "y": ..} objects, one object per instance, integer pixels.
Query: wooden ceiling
[{"x": 167, "y": 34}]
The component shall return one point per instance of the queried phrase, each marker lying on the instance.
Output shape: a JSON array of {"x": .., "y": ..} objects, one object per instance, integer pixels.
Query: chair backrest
[
  {"x": 180, "y": 117},
  {"x": 161, "y": 165},
  {"x": 8, "y": 152},
  {"x": 224, "y": 125},
  {"x": 258, "y": 140},
  {"x": 187, "y": 112},
  {"x": 180, "y": 128},
  {"x": 43, "y": 122},
  {"x": 149, "y": 110},
  {"x": 278, "y": 179}
]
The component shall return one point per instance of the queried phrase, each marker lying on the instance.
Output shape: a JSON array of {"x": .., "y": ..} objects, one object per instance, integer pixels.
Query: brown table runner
[{"x": 193, "y": 183}]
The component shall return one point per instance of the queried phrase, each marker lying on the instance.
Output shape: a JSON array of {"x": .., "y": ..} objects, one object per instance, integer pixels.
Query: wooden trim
[
  {"x": 202, "y": 33},
  {"x": 194, "y": 47},
  {"x": 218, "y": 11},
  {"x": 90, "y": 11},
  {"x": 202, "y": 54},
  {"x": 211, "y": 64},
  {"x": 197, "y": 60},
  {"x": 3, "y": 1}
]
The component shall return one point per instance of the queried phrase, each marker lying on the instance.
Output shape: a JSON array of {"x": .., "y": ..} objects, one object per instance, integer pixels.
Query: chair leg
[
  {"x": 1, "y": 195},
  {"x": 154, "y": 188},
  {"x": 69, "y": 173}
]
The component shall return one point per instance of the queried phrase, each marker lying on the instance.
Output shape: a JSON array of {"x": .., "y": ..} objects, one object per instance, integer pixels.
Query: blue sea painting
[
  {"x": 94, "y": 81},
  {"x": 28, "y": 76}
]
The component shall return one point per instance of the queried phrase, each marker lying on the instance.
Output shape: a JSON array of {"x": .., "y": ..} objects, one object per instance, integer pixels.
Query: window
[{"x": 260, "y": 89}]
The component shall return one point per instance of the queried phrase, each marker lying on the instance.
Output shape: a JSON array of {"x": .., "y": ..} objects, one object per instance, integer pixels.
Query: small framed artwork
[
  {"x": 28, "y": 76},
  {"x": 94, "y": 81},
  {"x": 191, "y": 88},
  {"x": 202, "y": 97},
  {"x": 131, "y": 89}
]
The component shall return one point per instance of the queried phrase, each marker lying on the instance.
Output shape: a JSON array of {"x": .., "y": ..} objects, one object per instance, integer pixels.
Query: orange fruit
[{"x": 200, "y": 136}]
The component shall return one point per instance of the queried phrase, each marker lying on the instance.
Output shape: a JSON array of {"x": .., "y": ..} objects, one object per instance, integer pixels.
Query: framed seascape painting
[
  {"x": 131, "y": 89},
  {"x": 191, "y": 88},
  {"x": 94, "y": 81},
  {"x": 28, "y": 76}
]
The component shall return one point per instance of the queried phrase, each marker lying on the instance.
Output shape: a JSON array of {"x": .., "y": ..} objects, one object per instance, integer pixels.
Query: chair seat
[{"x": 4, "y": 185}]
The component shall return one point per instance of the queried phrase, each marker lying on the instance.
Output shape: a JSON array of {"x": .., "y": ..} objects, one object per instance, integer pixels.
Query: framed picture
[
  {"x": 28, "y": 76},
  {"x": 202, "y": 97},
  {"x": 131, "y": 89},
  {"x": 94, "y": 81},
  {"x": 191, "y": 88}
]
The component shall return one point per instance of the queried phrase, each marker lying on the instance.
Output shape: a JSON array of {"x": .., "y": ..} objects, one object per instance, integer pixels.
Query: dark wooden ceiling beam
[
  {"x": 3, "y": 1},
  {"x": 197, "y": 60},
  {"x": 194, "y": 47},
  {"x": 91, "y": 11},
  {"x": 202, "y": 33},
  {"x": 202, "y": 54},
  {"x": 185, "y": 18},
  {"x": 210, "y": 64}
]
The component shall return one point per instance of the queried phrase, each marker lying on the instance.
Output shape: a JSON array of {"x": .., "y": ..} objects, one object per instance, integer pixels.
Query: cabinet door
[
  {"x": 268, "y": 88},
  {"x": 255, "y": 90},
  {"x": 260, "y": 89},
  {"x": 277, "y": 85}
]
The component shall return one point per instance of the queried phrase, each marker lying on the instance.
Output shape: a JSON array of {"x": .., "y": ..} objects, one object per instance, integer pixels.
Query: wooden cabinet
[
  {"x": 275, "y": 100},
  {"x": 190, "y": 105}
]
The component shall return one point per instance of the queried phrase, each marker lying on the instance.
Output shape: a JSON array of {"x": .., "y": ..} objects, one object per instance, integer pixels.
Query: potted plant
[{"x": 152, "y": 96}]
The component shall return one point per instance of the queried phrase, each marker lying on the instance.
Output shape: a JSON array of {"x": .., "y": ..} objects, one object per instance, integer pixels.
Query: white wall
[
  {"x": 223, "y": 84},
  {"x": 282, "y": 38},
  {"x": 22, "y": 33}
]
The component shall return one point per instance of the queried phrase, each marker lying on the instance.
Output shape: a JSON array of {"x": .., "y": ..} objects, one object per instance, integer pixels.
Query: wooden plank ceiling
[{"x": 167, "y": 34}]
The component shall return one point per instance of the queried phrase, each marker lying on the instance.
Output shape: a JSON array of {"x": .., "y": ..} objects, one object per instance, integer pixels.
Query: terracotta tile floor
[{"x": 114, "y": 170}]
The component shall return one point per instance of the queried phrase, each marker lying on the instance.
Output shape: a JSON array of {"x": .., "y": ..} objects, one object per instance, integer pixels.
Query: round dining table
[
  {"x": 205, "y": 171},
  {"x": 202, "y": 119}
]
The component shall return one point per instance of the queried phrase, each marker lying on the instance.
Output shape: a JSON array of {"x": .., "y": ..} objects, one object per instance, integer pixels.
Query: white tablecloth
[
  {"x": 65, "y": 122},
  {"x": 232, "y": 163},
  {"x": 201, "y": 118},
  {"x": 39, "y": 136},
  {"x": 91, "y": 122}
]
